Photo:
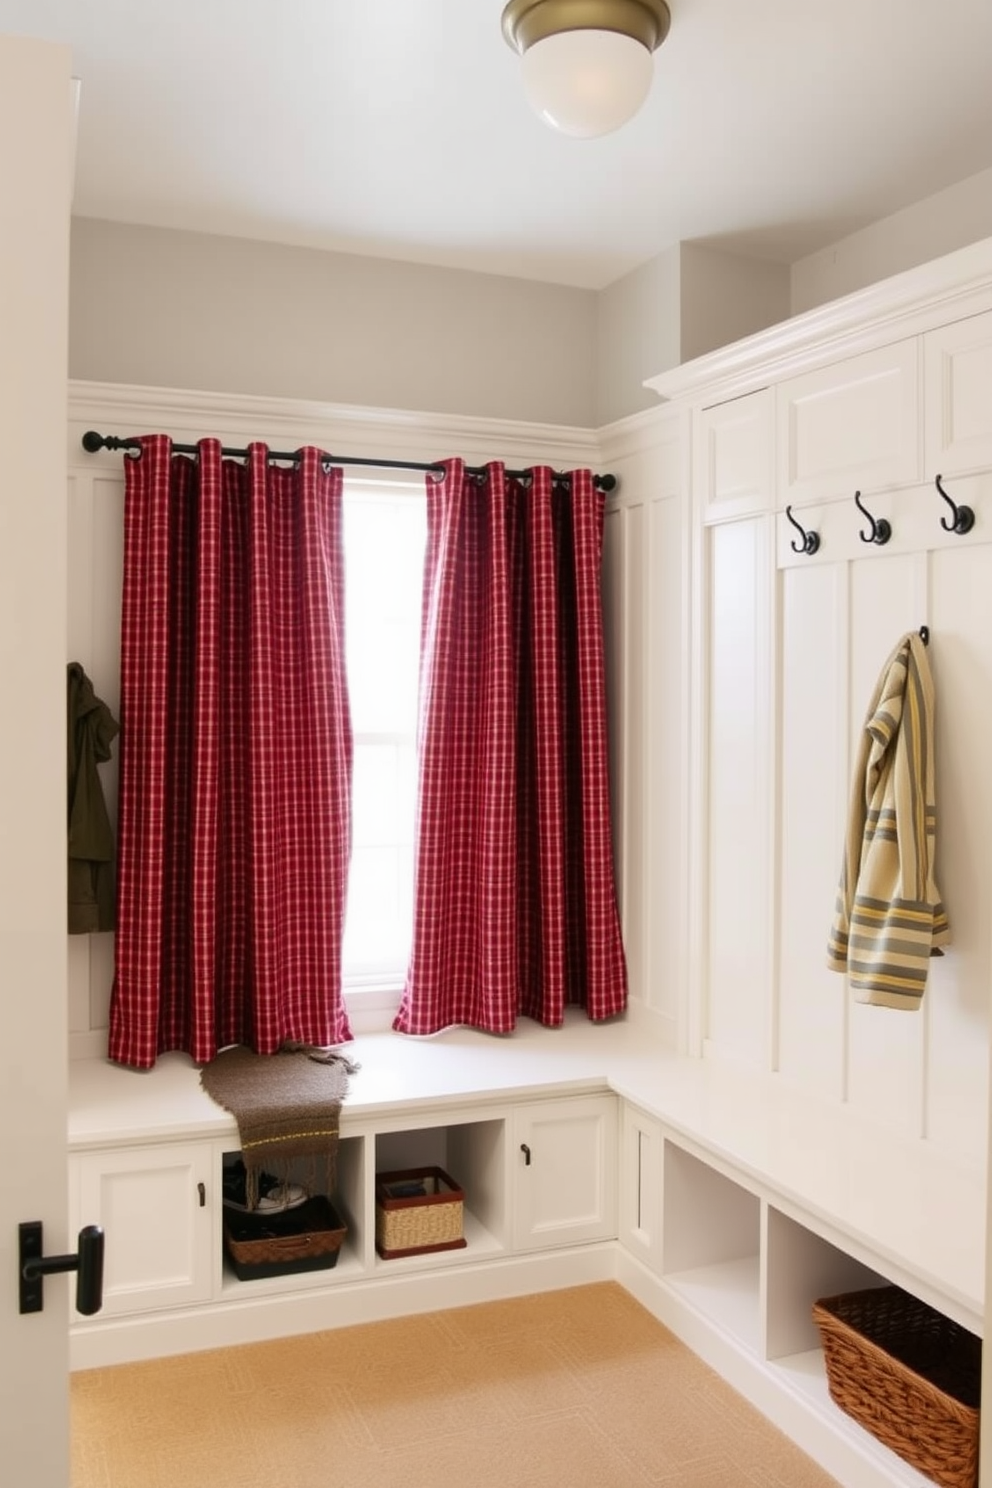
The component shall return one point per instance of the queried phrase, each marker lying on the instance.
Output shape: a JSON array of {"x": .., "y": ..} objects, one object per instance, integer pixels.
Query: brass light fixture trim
[{"x": 528, "y": 21}]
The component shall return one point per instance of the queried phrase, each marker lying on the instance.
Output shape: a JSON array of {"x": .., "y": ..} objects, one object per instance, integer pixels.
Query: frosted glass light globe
[{"x": 587, "y": 83}]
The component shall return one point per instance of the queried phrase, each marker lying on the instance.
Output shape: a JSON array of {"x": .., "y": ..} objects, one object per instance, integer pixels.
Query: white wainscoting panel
[
  {"x": 645, "y": 606},
  {"x": 885, "y": 1055},
  {"x": 956, "y": 1003},
  {"x": 812, "y": 806},
  {"x": 664, "y": 802},
  {"x": 738, "y": 827},
  {"x": 614, "y": 638}
]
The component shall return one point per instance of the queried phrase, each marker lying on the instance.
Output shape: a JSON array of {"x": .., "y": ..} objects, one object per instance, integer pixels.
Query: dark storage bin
[{"x": 305, "y": 1238}]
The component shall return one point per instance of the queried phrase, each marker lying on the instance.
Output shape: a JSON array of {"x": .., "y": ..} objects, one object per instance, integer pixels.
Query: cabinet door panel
[
  {"x": 641, "y": 1155},
  {"x": 734, "y": 452},
  {"x": 958, "y": 375},
  {"x": 158, "y": 1232},
  {"x": 566, "y": 1175},
  {"x": 850, "y": 426}
]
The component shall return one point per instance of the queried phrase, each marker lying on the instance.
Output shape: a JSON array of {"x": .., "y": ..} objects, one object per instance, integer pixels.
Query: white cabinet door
[
  {"x": 734, "y": 457},
  {"x": 641, "y": 1159},
  {"x": 852, "y": 426},
  {"x": 958, "y": 375},
  {"x": 565, "y": 1154},
  {"x": 154, "y": 1205}
]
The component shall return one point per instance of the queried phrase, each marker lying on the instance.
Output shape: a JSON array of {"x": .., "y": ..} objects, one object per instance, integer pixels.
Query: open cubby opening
[
  {"x": 472, "y": 1154},
  {"x": 711, "y": 1239},
  {"x": 345, "y": 1192}
]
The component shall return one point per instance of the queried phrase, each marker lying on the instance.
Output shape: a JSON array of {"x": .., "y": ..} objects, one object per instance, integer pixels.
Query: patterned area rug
[{"x": 580, "y": 1388}]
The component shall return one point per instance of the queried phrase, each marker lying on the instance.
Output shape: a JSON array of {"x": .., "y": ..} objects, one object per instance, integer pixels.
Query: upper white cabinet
[
  {"x": 734, "y": 456},
  {"x": 958, "y": 379},
  {"x": 851, "y": 426}
]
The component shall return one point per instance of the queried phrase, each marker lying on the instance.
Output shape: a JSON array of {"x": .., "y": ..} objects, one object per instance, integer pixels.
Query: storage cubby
[
  {"x": 711, "y": 1242},
  {"x": 348, "y": 1200},
  {"x": 473, "y": 1154},
  {"x": 801, "y": 1267}
]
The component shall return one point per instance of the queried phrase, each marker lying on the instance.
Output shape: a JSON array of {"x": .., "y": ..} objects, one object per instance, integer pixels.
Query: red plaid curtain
[
  {"x": 515, "y": 907},
  {"x": 234, "y": 829}
]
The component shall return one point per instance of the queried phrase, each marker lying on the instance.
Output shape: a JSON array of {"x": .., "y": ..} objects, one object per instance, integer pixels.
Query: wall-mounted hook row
[
  {"x": 962, "y": 517},
  {"x": 809, "y": 541},
  {"x": 881, "y": 530}
]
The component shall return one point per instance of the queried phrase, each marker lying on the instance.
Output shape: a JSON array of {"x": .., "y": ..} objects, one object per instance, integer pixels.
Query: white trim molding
[
  {"x": 341, "y": 428},
  {"x": 907, "y": 304}
]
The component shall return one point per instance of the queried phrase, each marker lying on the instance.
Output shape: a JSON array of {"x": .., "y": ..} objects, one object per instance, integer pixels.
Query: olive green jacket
[{"x": 92, "y": 849}]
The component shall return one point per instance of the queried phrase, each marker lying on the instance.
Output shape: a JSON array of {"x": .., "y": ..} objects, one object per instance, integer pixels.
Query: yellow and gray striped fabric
[{"x": 889, "y": 919}]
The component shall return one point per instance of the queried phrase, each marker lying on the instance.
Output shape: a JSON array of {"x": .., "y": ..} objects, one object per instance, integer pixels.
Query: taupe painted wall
[
  {"x": 155, "y": 307},
  {"x": 726, "y": 296},
  {"x": 188, "y": 310},
  {"x": 637, "y": 335},
  {"x": 938, "y": 224},
  {"x": 686, "y": 301}
]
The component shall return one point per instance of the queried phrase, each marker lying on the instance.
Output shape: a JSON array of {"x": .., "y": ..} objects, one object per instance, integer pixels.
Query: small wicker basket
[
  {"x": 909, "y": 1375},
  {"x": 417, "y": 1210},
  {"x": 307, "y": 1238}
]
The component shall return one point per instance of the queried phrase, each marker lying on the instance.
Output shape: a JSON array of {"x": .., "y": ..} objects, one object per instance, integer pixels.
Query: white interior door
[{"x": 35, "y": 176}]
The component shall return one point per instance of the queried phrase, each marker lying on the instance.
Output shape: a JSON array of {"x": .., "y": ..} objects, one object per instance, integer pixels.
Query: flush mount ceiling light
[{"x": 587, "y": 64}]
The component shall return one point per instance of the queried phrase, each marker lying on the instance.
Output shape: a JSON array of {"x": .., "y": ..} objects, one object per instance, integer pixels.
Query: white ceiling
[{"x": 399, "y": 128}]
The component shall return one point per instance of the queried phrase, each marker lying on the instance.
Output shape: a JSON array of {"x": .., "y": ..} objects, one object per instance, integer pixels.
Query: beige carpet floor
[{"x": 573, "y": 1389}]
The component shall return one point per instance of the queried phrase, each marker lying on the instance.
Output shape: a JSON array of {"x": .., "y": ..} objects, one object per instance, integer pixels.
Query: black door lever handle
[{"x": 34, "y": 1267}]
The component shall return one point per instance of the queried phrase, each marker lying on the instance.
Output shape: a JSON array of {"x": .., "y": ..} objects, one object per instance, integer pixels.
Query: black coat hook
[
  {"x": 881, "y": 530},
  {"x": 962, "y": 517},
  {"x": 810, "y": 540}
]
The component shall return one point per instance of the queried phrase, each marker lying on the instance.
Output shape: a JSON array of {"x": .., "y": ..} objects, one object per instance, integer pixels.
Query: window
[{"x": 385, "y": 529}]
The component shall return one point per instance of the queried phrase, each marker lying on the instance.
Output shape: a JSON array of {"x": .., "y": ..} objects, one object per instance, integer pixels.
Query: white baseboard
[{"x": 235, "y": 1321}]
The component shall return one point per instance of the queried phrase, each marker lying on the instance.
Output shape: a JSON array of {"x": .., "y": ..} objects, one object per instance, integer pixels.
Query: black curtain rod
[{"x": 92, "y": 442}]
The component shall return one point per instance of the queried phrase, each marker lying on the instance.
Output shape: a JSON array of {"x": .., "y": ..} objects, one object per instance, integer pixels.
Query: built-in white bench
[{"x": 725, "y": 1201}]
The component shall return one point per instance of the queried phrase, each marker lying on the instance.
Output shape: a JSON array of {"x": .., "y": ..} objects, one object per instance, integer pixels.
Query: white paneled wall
[
  {"x": 841, "y": 614},
  {"x": 812, "y": 801},
  {"x": 787, "y": 650},
  {"x": 645, "y": 598},
  {"x": 738, "y": 959}
]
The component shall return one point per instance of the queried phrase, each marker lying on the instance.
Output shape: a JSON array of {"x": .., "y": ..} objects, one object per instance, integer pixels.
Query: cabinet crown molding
[{"x": 949, "y": 288}]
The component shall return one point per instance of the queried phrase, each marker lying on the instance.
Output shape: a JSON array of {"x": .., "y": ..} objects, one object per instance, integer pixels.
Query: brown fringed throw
[{"x": 287, "y": 1106}]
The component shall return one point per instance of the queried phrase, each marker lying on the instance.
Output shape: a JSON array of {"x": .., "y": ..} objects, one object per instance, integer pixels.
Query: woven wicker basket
[
  {"x": 908, "y": 1375},
  {"x": 417, "y": 1210},
  {"x": 307, "y": 1238}
]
